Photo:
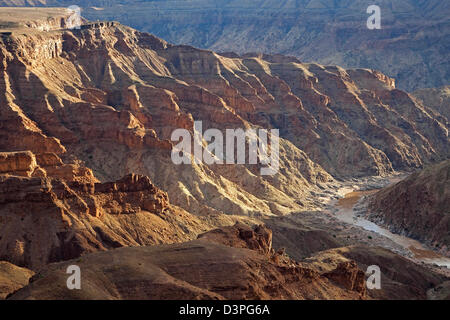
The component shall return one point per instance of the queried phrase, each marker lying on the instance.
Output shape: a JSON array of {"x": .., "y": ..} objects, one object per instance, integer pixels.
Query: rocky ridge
[
  {"x": 235, "y": 262},
  {"x": 200, "y": 269}
]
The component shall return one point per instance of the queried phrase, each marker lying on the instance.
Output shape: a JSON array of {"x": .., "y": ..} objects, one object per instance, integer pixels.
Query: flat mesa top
[{"x": 12, "y": 19}]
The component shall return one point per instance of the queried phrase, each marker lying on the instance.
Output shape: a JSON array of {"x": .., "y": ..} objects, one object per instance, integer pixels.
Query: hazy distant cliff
[{"x": 412, "y": 45}]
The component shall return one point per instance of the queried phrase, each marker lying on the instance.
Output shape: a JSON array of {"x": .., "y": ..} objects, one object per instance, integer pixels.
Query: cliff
[
  {"x": 418, "y": 206},
  {"x": 410, "y": 46},
  {"x": 86, "y": 118}
]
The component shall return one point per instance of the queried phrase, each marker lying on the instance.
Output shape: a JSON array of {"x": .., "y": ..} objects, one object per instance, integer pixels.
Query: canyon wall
[
  {"x": 109, "y": 97},
  {"x": 418, "y": 206},
  {"x": 411, "y": 45},
  {"x": 86, "y": 118}
]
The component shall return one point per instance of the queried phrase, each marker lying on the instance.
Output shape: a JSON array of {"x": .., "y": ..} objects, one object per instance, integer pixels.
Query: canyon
[
  {"x": 234, "y": 262},
  {"x": 411, "y": 45},
  {"x": 86, "y": 175},
  {"x": 418, "y": 206}
]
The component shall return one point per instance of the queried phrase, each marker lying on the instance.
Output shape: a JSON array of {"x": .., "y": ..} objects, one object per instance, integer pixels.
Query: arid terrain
[
  {"x": 411, "y": 46},
  {"x": 418, "y": 206},
  {"x": 86, "y": 175}
]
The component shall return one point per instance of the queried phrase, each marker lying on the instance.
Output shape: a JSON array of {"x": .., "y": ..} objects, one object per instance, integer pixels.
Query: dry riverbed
[{"x": 348, "y": 211}]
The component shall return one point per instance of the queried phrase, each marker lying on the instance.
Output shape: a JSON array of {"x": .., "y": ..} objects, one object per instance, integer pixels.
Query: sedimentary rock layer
[
  {"x": 45, "y": 219},
  {"x": 108, "y": 98},
  {"x": 418, "y": 206},
  {"x": 200, "y": 269}
]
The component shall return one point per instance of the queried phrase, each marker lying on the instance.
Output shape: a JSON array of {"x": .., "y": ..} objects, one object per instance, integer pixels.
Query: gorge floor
[{"x": 350, "y": 210}]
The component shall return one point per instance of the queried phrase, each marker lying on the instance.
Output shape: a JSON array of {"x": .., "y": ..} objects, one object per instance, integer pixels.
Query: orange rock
[{"x": 21, "y": 163}]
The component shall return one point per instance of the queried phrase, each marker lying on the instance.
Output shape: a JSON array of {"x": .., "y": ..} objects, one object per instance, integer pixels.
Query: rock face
[
  {"x": 108, "y": 98},
  {"x": 242, "y": 236},
  {"x": 418, "y": 206},
  {"x": 19, "y": 163},
  {"x": 349, "y": 276},
  {"x": 43, "y": 220},
  {"x": 199, "y": 269},
  {"x": 410, "y": 47},
  {"x": 27, "y": 164}
]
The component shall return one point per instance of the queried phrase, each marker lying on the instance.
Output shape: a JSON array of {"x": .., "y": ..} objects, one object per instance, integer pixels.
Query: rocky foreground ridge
[
  {"x": 246, "y": 267},
  {"x": 235, "y": 262},
  {"x": 410, "y": 47}
]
